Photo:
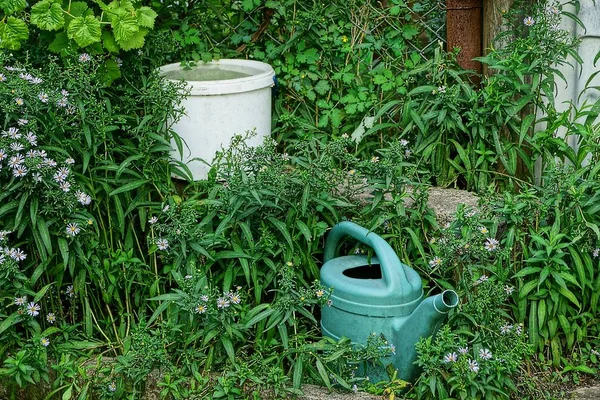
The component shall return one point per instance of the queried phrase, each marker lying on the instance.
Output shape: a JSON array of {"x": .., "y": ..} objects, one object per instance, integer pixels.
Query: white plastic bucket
[{"x": 227, "y": 98}]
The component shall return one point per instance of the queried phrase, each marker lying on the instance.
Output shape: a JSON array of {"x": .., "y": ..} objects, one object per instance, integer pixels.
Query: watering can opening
[{"x": 372, "y": 271}]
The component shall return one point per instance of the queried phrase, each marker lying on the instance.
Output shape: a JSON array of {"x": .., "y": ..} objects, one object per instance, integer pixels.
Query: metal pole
[{"x": 464, "y": 29}]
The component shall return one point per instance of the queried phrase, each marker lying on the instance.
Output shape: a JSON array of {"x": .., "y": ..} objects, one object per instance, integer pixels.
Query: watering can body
[{"x": 380, "y": 296}]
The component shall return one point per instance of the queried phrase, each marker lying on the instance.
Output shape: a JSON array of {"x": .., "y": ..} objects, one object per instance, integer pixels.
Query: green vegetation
[{"x": 110, "y": 269}]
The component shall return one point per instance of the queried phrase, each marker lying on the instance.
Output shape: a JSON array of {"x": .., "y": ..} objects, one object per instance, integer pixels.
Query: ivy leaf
[
  {"x": 84, "y": 30},
  {"x": 109, "y": 42},
  {"x": 134, "y": 42},
  {"x": 12, "y": 33},
  {"x": 146, "y": 17},
  {"x": 12, "y": 6},
  {"x": 124, "y": 25},
  {"x": 47, "y": 15}
]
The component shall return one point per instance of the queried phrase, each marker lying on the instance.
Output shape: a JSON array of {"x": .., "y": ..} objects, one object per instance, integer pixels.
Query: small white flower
[
  {"x": 491, "y": 244},
  {"x": 70, "y": 292},
  {"x": 483, "y": 230},
  {"x": 166, "y": 208},
  {"x": 504, "y": 329},
  {"x": 64, "y": 93},
  {"x": 84, "y": 57},
  {"x": 22, "y": 122},
  {"x": 473, "y": 366},
  {"x": 65, "y": 186},
  {"x": 374, "y": 159},
  {"x": 70, "y": 161},
  {"x": 519, "y": 329},
  {"x": 17, "y": 254},
  {"x": 33, "y": 309},
  {"x": 508, "y": 289},
  {"x": 112, "y": 387},
  {"x": 153, "y": 220},
  {"x": 20, "y": 171},
  {"x": 204, "y": 298},
  {"x": 595, "y": 253},
  {"x": 51, "y": 318},
  {"x": 16, "y": 146},
  {"x": 3, "y": 154},
  {"x": 162, "y": 244},
  {"x": 403, "y": 142},
  {"x": 73, "y": 229},
  {"x": 20, "y": 301},
  {"x": 442, "y": 89},
  {"x": 463, "y": 350},
  {"x": 485, "y": 354},
  {"x": 528, "y": 21},
  {"x": 222, "y": 302},
  {"x": 43, "y": 97},
  {"x": 45, "y": 341},
  {"x": 450, "y": 358},
  {"x": 482, "y": 278},
  {"x": 436, "y": 261},
  {"x": 62, "y": 102},
  {"x": 2, "y": 78},
  {"x": 235, "y": 298},
  {"x": 49, "y": 162},
  {"x": 13, "y": 133},
  {"x": 200, "y": 309}
]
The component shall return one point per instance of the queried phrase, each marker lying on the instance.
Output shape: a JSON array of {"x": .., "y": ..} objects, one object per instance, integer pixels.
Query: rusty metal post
[{"x": 464, "y": 29}]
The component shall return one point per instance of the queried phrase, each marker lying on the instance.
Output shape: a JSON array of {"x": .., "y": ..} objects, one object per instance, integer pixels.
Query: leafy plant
[{"x": 95, "y": 25}]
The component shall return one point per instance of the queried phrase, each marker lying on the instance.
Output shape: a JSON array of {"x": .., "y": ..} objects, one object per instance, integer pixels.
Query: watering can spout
[
  {"x": 429, "y": 315},
  {"x": 424, "y": 321}
]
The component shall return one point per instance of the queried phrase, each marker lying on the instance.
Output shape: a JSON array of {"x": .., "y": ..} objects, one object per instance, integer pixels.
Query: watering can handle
[{"x": 392, "y": 270}]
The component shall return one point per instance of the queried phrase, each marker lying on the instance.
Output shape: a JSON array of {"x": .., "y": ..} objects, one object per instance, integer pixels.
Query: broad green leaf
[
  {"x": 124, "y": 26},
  {"x": 136, "y": 41},
  {"x": 78, "y": 8},
  {"x": 12, "y": 33},
  {"x": 109, "y": 42},
  {"x": 84, "y": 30},
  {"x": 146, "y": 17},
  {"x": 12, "y": 6},
  {"x": 47, "y": 15},
  {"x": 60, "y": 42}
]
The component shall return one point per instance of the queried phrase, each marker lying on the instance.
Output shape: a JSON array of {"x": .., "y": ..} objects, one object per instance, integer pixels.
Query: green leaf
[
  {"x": 136, "y": 41},
  {"x": 78, "y": 8},
  {"x": 128, "y": 187},
  {"x": 110, "y": 71},
  {"x": 322, "y": 87},
  {"x": 109, "y": 42},
  {"x": 84, "y": 30},
  {"x": 146, "y": 17},
  {"x": 228, "y": 348},
  {"x": 124, "y": 25},
  {"x": 47, "y": 15},
  {"x": 12, "y": 6},
  {"x": 12, "y": 33},
  {"x": 60, "y": 42}
]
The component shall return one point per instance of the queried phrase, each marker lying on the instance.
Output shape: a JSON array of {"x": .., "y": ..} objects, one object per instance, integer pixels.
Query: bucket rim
[{"x": 260, "y": 76}]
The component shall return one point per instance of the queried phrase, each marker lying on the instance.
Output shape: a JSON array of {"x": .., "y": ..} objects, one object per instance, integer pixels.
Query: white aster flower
[
  {"x": 33, "y": 309},
  {"x": 73, "y": 229}
]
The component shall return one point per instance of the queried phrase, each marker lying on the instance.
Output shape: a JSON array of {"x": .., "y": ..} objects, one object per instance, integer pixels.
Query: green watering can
[{"x": 384, "y": 297}]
